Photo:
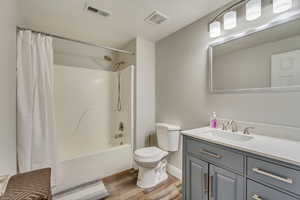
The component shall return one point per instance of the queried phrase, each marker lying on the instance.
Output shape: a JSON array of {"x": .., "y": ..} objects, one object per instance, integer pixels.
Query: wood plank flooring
[{"x": 122, "y": 186}]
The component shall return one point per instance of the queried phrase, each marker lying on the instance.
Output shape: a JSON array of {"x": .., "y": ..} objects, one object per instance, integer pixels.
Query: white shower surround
[{"x": 87, "y": 121}]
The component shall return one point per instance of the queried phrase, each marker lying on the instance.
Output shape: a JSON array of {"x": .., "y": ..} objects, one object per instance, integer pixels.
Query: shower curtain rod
[{"x": 78, "y": 41}]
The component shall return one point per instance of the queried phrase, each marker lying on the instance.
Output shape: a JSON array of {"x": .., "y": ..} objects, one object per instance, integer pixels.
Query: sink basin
[{"x": 237, "y": 136}]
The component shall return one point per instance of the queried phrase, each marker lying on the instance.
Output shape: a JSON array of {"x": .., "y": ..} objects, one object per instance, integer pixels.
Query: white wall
[
  {"x": 145, "y": 91},
  {"x": 182, "y": 85},
  {"x": 144, "y": 62},
  {"x": 8, "y": 20}
]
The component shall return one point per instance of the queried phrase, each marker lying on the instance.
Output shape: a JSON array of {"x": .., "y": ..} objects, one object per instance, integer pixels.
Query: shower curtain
[{"x": 35, "y": 102}]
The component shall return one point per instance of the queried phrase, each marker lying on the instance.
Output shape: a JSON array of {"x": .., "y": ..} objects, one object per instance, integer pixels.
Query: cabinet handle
[
  {"x": 211, "y": 154},
  {"x": 205, "y": 185},
  {"x": 256, "y": 197},
  {"x": 211, "y": 187},
  {"x": 283, "y": 179}
]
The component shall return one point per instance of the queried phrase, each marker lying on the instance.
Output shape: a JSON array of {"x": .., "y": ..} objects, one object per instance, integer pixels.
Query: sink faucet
[
  {"x": 247, "y": 130},
  {"x": 230, "y": 125},
  {"x": 233, "y": 125},
  {"x": 225, "y": 125}
]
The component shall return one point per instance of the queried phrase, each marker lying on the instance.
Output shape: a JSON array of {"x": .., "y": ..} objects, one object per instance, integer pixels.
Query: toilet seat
[
  {"x": 149, "y": 154},
  {"x": 152, "y": 161}
]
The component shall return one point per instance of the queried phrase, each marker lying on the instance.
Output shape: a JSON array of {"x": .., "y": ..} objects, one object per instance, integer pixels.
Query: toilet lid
[{"x": 149, "y": 154}]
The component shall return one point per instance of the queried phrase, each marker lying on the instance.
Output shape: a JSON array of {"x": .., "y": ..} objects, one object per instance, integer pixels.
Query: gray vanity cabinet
[
  {"x": 205, "y": 181},
  {"x": 197, "y": 176},
  {"x": 225, "y": 185},
  {"x": 216, "y": 172}
]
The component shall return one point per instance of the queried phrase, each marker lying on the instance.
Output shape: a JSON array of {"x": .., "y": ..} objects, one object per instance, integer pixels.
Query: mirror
[{"x": 258, "y": 60}]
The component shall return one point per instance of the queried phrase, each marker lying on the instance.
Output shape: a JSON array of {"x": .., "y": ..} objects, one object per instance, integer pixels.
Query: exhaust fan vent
[
  {"x": 156, "y": 18},
  {"x": 94, "y": 10}
]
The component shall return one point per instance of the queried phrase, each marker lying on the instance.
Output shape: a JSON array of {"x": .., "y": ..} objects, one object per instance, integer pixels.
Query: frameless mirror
[{"x": 265, "y": 59}]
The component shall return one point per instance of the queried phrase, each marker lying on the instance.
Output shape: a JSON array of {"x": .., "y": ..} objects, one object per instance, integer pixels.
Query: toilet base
[{"x": 151, "y": 177}]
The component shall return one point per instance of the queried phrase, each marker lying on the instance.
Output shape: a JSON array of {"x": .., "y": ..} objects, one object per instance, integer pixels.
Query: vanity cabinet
[
  {"x": 197, "y": 176},
  {"x": 206, "y": 181},
  {"x": 216, "y": 172},
  {"x": 224, "y": 185}
]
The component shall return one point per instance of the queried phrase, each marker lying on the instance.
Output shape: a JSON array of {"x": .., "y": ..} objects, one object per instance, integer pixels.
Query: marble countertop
[{"x": 270, "y": 147}]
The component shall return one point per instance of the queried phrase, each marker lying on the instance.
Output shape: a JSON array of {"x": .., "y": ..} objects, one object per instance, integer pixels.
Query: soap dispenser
[{"x": 213, "y": 120}]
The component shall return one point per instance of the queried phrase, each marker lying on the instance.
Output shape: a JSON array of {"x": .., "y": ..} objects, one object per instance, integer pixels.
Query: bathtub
[
  {"x": 87, "y": 168},
  {"x": 87, "y": 124}
]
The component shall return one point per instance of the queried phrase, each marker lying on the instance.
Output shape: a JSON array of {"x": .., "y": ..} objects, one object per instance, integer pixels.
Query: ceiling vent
[
  {"x": 156, "y": 18},
  {"x": 97, "y": 11}
]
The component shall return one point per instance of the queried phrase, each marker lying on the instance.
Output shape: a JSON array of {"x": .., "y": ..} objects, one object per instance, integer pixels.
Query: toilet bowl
[
  {"x": 152, "y": 166},
  {"x": 151, "y": 161}
]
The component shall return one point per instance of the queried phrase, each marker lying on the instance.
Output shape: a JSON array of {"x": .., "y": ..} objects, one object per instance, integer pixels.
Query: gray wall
[
  {"x": 8, "y": 21},
  {"x": 182, "y": 85}
]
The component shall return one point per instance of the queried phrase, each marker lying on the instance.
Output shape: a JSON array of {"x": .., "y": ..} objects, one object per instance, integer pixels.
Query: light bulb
[
  {"x": 253, "y": 9},
  {"x": 281, "y": 5},
  {"x": 215, "y": 29},
  {"x": 229, "y": 20}
]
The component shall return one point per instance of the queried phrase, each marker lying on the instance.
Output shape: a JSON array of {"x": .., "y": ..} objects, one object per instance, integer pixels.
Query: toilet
[{"x": 151, "y": 161}]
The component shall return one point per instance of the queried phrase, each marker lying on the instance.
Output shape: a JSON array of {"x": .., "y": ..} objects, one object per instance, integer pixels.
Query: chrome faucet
[
  {"x": 233, "y": 125},
  {"x": 225, "y": 125},
  {"x": 247, "y": 130},
  {"x": 230, "y": 125}
]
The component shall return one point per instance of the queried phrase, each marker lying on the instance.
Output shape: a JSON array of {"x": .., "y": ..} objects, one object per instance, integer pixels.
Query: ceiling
[{"x": 68, "y": 18}]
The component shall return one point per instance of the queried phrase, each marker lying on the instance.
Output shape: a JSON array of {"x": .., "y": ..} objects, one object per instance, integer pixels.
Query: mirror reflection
[{"x": 265, "y": 59}]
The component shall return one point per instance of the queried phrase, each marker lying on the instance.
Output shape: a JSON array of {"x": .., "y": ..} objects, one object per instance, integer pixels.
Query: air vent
[
  {"x": 156, "y": 18},
  {"x": 97, "y": 11}
]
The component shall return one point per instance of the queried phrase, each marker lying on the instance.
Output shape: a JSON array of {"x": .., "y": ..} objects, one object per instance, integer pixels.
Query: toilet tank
[{"x": 168, "y": 136}]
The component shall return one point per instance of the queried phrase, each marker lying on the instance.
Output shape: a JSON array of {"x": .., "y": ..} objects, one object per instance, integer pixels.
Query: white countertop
[{"x": 270, "y": 147}]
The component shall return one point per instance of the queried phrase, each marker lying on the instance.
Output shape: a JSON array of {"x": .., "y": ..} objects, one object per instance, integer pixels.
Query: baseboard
[{"x": 174, "y": 171}]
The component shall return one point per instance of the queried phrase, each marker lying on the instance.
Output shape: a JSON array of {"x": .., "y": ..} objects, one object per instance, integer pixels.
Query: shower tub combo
[{"x": 94, "y": 116}]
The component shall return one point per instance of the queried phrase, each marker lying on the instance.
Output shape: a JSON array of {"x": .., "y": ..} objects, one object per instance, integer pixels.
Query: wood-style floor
[{"x": 122, "y": 186}]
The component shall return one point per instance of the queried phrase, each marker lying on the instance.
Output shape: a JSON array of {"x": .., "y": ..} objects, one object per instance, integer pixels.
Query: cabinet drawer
[
  {"x": 279, "y": 176},
  {"x": 256, "y": 191},
  {"x": 216, "y": 155}
]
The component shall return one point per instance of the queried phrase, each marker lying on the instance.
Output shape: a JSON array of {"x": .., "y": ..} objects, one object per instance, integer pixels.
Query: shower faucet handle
[{"x": 119, "y": 136}]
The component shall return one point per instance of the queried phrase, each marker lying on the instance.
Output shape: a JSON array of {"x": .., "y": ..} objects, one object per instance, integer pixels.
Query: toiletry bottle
[{"x": 213, "y": 120}]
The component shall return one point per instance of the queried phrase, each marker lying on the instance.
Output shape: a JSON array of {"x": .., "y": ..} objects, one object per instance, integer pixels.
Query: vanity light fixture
[
  {"x": 215, "y": 29},
  {"x": 230, "y": 20},
  {"x": 253, "y": 9},
  {"x": 281, "y": 5}
]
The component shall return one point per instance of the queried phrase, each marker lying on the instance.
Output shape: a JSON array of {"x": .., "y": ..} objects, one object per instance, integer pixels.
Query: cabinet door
[
  {"x": 225, "y": 185},
  {"x": 196, "y": 179}
]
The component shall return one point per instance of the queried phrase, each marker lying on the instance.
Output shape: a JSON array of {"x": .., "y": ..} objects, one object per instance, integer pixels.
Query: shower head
[
  {"x": 115, "y": 66},
  {"x": 118, "y": 65}
]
